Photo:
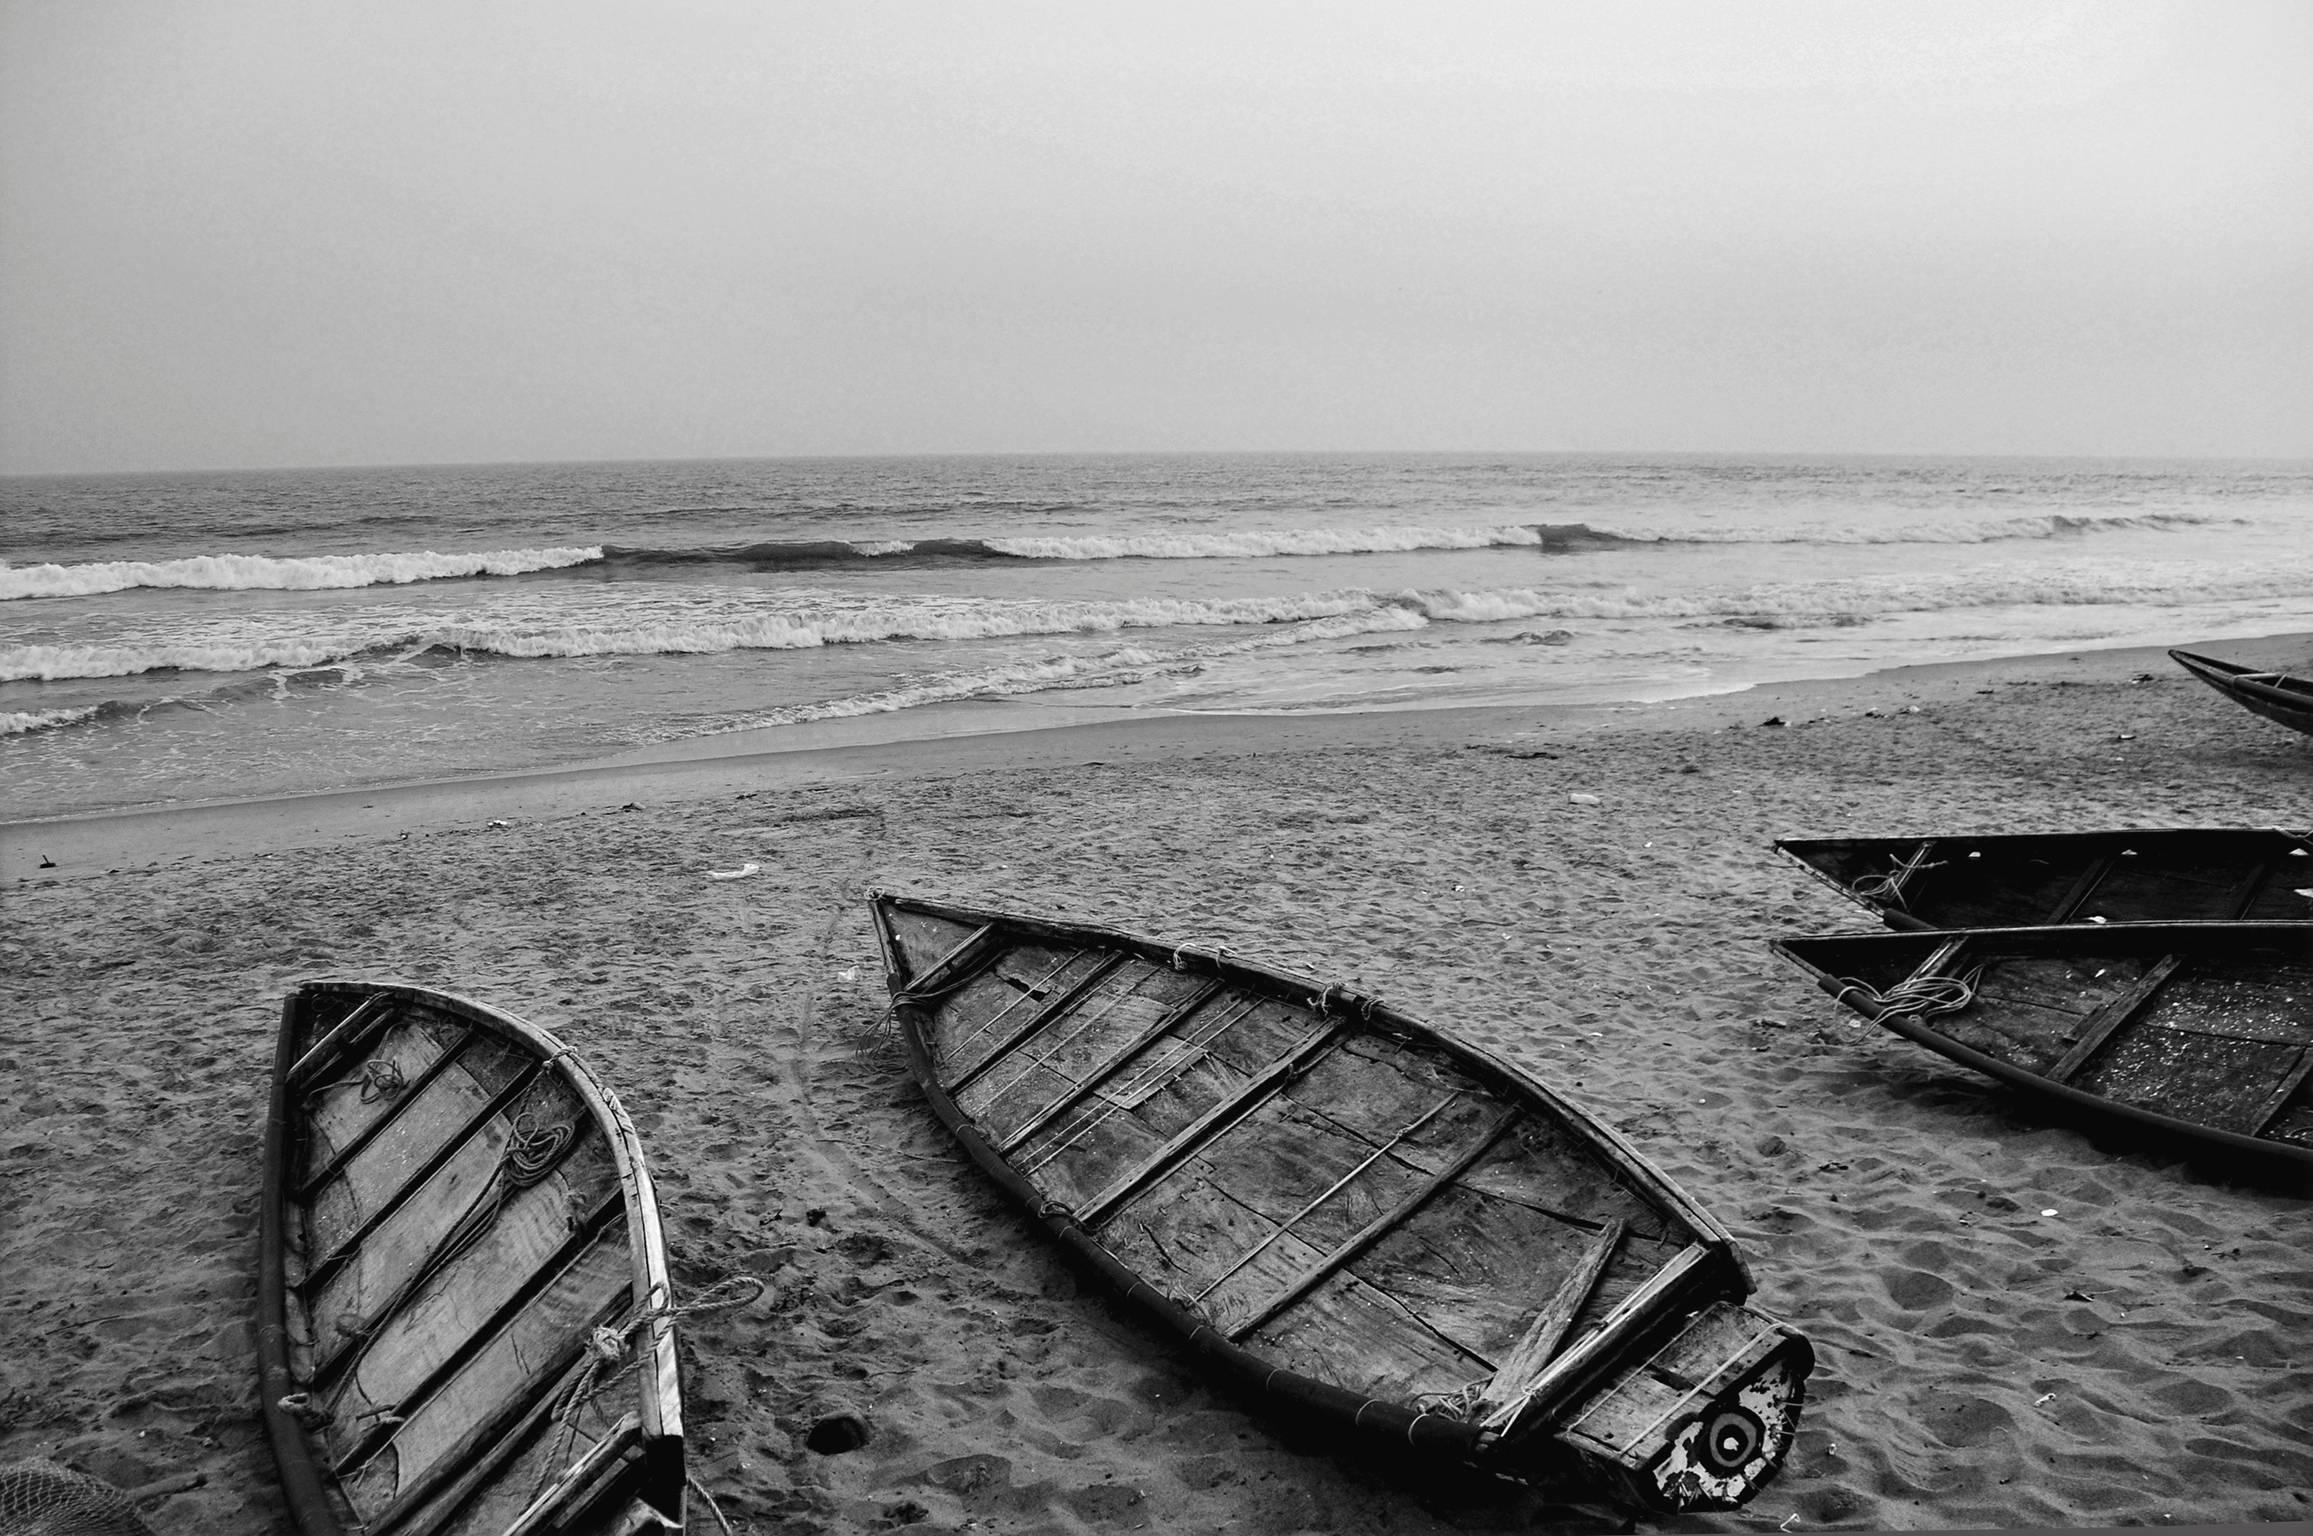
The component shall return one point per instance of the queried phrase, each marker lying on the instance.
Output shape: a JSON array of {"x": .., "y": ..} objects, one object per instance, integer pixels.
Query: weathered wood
[
  {"x": 1093, "y": 1080},
  {"x": 495, "y": 1388},
  {"x": 369, "y": 1012},
  {"x": 2083, "y": 887},
  {"x": 343, "y": 1153},
  {"x": 1056, "y": 1008},
  {"x": 2264, "y": 1116},
  {"x": 966, "y": 1021},
  {"x": 1569, "y": 1365},
  {"x": 1341, "y": 1208},
  {"x": 444, "y": 1305},
  {"x": 2111, "y": 1018},
  {"x": 1719, "y": 1341},
  {"x": 1374, "y": 1230},
  {"x": 473, "y": 1126},
  {"x": 2185, "y": 1031},
  {"x": 1335, "y": 1188},
  {"x": 2036, "y": 879},
  {"x": 1279, "y": 1072},
  {"x": 1550, "y": 1325},
  {"x": 1078, "y": 1156},
  {"x": 453, "y": 1261}
]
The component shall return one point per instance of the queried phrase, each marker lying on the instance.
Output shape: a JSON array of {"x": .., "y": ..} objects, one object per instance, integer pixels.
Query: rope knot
[{"x": 607, "y": 1344}]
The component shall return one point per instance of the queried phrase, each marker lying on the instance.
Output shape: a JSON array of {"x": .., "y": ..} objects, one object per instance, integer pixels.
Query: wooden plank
[
  {"x": 365, "y": 1183},
  {"x": 2278, "y": 1100},
  {"x": 957, "y": 1030},
  {"x": 1080, "y": 1155},
  {"x": 1114, "y": 1063},
  {"x": 1335, "y": 1188},
  {"x": 1050, "y": 1062},
  {"x": 596, "y": 1464},
  {"x": 335, "y": 1117},
  {"x": 2102, "y": 1024},
  {"x": 341, "y": 1035},
  {"x": 1719, "y": 1346},
  {"x": 1359, "y": 1336},
  {"x": 1569, "y": 1365},
  {"x": 352, "y": 1147},
  {"x": 1374, "y": 1230},
  {"x": 2083, "y": 887},
  {"x": 496, "y": 1389},
  {"x": 1532, "y": 1352},
  {"x": 1256, "y": 1088},
  {"x": 442, "y": 1305},
  {"x": 947, "y": 971},
  {"x": 1053, "y": 1010},
  {"x": 1478, "y": 1269},
  {"x": 2244, "y": 895}
]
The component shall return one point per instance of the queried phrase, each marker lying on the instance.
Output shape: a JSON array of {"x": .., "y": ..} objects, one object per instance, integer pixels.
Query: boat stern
[{"x": 1706, "y": 1421}]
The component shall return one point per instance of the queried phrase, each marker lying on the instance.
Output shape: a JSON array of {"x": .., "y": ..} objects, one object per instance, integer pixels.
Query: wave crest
[{"x": 271, "y": 573}]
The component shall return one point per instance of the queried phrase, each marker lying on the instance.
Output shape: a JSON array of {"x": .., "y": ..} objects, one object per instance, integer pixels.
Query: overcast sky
[{"x": 237, "y": 233}]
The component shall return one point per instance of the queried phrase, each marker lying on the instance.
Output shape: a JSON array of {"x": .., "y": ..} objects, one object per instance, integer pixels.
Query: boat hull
[
  {"x": 2278, "y": 696},
  {"x": 2199, "y": 1035},
  {"x": 2021, "y": 880},
  {"x": 1381, "y": 1232},
  {"x": 464, "y": 1320}
]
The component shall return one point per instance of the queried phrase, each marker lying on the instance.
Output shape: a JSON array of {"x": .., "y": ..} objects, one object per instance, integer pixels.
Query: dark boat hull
[
  {"x": 2199, "y": 1035},
  {"x": 2278, "y": 696},
  {"x": 454, "y": 1211},
  {"x": 2021, "y": 880},
  {"x": 1384, "y": 1233}
]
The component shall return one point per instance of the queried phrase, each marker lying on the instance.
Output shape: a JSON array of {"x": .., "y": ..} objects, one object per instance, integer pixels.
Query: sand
[{"x": 2017, "y": 1325}]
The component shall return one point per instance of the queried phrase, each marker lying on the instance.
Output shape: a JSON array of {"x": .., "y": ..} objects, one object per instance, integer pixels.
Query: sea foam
[{"x": 265, "y": 572}]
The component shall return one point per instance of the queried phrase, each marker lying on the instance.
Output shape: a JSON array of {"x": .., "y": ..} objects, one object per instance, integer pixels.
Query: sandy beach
[{"x": 2017, "y": 1325}]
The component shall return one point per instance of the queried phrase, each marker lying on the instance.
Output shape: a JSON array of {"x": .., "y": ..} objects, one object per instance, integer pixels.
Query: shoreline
[{"x": 80, "y": 845}]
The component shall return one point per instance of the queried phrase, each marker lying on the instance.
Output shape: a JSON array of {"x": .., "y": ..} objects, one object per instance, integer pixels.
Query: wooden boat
[
  {"x": 2199, "y": 1034},
  {"x": 463, "y": 1309},
  {"x": 2275, "y": 695},
  {"x": 1387, "y": 1234},
  {"x": 2018, "y": 880}
]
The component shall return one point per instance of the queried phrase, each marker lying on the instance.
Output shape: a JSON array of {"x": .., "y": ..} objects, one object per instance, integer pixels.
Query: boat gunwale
[
  {"x": 659, "y": 1407},
  {"x": 2267, "y": 1156},
  {"x": 1906, "y": 922},
  {"x": 2282, "y": 697},
  {"x": 1726, "y": 1277}
]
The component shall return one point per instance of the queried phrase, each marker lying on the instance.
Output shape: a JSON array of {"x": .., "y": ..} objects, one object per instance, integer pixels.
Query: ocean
[{"x": 188, "y": 637}]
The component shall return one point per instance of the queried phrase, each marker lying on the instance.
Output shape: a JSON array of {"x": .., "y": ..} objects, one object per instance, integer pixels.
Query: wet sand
[{"x": 1588, "y": 892}]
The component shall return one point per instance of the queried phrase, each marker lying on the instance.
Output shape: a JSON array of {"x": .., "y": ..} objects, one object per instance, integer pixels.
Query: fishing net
[{"x": 40, "y": 1498}]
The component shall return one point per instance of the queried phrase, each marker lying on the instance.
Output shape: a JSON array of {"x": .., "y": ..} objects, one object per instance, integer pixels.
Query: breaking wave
[
  {"x": 313, "y": 572},
  {"x": 227, "y": 573}
]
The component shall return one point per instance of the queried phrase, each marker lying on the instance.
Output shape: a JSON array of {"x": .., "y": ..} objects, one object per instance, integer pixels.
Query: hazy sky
[{"x": 236, "y": 233}]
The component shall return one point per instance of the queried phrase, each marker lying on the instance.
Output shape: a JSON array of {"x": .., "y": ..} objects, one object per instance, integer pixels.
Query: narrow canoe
[
  {"x": 453, "y": 1207},
  {"x": 2195, "y": 1034},
  {"x": 2027, "y": 879},
  {"x": 2275, "y": 695},
  {"x": 1385, "y": 1232}
]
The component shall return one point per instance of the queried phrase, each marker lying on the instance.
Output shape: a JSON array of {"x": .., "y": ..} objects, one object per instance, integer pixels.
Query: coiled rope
[
  {"x": 1919, "y": 996},
  {"x": 606, "y": 1349}
]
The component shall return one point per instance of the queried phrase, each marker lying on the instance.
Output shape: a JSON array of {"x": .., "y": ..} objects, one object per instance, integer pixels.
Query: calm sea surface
[{"x": 191, "y": 637}]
